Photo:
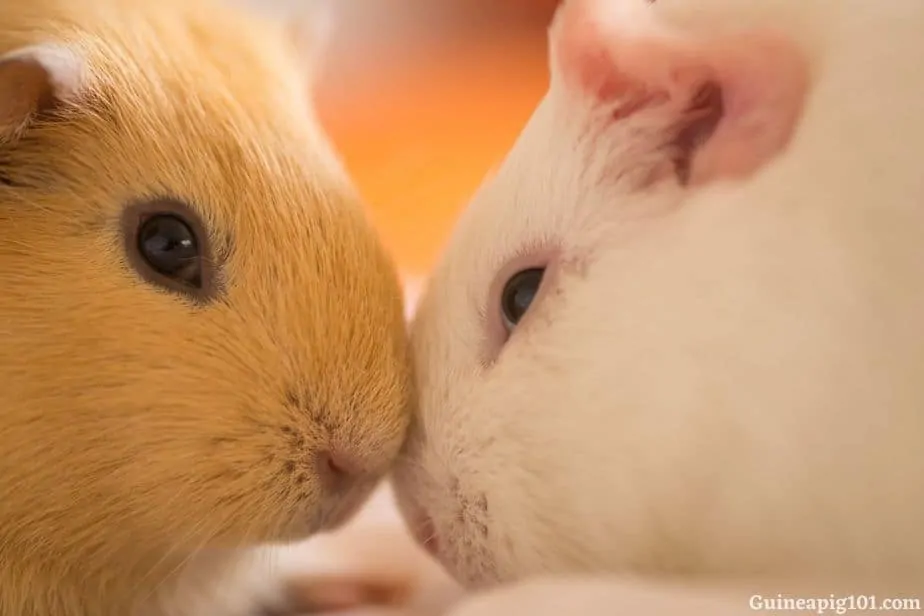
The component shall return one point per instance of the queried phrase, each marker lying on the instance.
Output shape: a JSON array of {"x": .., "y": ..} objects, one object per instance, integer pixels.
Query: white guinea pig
[{"x": 679, "y": 332}]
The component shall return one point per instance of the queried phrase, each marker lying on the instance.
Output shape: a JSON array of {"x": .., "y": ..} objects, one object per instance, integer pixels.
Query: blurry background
[{"x": 423, "y": 98}]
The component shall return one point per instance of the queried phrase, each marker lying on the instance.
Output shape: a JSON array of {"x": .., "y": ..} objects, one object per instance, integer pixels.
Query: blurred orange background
[{"x": 423, "y": 98}]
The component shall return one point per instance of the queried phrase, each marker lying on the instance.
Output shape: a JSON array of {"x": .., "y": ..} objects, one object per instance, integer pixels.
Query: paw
[
  {"x": 318, "y": 594},
  {"x": 371, "y": 567}
]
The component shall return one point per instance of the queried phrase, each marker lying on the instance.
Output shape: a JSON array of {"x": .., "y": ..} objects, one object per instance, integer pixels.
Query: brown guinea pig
[{"x": 202, "y": 341}]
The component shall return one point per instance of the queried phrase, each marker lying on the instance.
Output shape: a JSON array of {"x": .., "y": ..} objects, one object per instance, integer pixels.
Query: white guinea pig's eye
[
  {"x": 165, "y": 243},
  {"x": 518, "y": 294}
]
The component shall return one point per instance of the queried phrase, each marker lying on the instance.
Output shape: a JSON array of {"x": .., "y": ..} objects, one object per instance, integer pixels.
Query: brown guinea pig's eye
[{"x": 166, "y": 245}]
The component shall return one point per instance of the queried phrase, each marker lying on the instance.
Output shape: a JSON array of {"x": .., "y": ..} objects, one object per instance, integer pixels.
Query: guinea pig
[
  {"x": 678, "y": 332},
  {"x": 202, "y": 339}
]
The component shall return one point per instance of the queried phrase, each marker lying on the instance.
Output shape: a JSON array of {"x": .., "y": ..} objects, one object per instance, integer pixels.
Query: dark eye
[
  {"x": 170, "y": 247},
  {"x": 518, "y": 294},
  {"x": 165, "y": 244}
]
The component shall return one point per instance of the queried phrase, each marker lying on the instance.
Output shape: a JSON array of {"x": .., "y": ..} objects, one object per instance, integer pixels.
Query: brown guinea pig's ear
[{"x": 35, "y": 80}]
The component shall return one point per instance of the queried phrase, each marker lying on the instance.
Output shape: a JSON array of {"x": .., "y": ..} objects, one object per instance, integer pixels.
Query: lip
[
  {"x": 427, "y": 535},
  {"x": 418, "y": 520},
  {"x": 332, "y": 515},
  {"x": 422, "y": 527}
]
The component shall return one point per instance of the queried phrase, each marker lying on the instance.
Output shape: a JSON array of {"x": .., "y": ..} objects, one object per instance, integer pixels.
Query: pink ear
[{"x": 724, "y": 104}]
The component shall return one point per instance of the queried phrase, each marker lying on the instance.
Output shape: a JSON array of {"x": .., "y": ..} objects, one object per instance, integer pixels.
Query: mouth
[
  {"x": 330, "y": 516},
  {"x": 458, "y": 542},
  {"x": 342, "y": 509},
  {"x": 472, "y": 565},
  {"x": 417, "y": 518},
  {"x": 427, "y": 536}
]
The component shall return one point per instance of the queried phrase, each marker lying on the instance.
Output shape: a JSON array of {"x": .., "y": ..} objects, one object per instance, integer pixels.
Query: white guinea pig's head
[{"x": 680, "y": 329}]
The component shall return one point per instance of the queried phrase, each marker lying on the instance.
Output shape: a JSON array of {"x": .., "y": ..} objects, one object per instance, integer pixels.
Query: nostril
[{"x": 335, "y": 467}]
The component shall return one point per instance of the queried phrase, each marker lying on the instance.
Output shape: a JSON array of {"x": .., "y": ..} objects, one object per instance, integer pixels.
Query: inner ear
[
  {"x": 27, "y": 91},
  {"x": 700, "y": 107},
  {"x": 698, "y": 124},
  {"x": 33, "y": 82}
]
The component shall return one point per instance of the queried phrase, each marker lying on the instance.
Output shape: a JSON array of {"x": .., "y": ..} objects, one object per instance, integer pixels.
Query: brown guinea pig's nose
[{"x": 337, "y": 468}]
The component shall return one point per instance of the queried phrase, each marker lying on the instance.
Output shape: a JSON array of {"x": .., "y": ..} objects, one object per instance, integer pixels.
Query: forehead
[
  {"x": 221, "y": 79},
  {"x": 194, "y": 102},
  {"x": 526, "y": 203}
]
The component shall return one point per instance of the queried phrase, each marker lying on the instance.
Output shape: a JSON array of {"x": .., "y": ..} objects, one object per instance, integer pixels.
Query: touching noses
[{"x": 340, "y": 458}]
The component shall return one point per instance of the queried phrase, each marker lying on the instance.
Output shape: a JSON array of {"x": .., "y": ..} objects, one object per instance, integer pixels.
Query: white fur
[
  {"x": 311, "y": 26},
  {"x": 726, "y": 380}
]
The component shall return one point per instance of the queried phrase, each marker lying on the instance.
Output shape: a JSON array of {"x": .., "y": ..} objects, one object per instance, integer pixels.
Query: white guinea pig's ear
[
  {"x": 720, "y": 105},
  {"x": 311, "y": 30},
  {"x": 307, "y": 25},
  {"x": 33, "y": 81}
]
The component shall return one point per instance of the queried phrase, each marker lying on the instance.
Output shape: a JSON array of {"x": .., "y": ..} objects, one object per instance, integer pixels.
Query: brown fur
[{"x": 136, "y": 426}]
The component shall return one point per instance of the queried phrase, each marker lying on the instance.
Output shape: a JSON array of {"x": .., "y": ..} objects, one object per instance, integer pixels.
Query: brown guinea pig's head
[{"x": 201, "y": 339}]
